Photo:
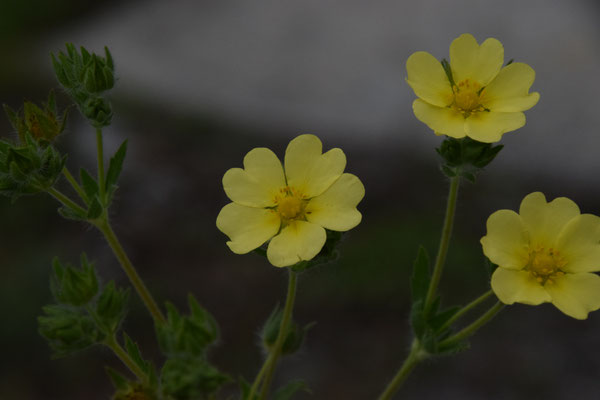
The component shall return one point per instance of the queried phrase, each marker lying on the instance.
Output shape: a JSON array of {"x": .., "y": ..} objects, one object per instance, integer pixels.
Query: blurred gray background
[{"x": 202, "y": 83}]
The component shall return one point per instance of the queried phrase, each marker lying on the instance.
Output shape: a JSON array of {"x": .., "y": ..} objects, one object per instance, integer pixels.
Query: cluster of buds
[{"x": 85, "y": 76}]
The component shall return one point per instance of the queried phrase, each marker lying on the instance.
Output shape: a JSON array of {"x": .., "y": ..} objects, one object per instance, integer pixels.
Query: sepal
[{"x": 466, "y": 157}]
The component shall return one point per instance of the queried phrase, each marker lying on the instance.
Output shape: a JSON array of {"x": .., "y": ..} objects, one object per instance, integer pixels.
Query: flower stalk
[
  {"x": 444, "y": 243},
  {"x": 473, "y": 327},
  {"x": 270, "y": 364}
]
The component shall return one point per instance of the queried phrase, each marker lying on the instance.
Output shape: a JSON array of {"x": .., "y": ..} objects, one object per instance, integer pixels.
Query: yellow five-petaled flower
[
  {"x": 546, "y": 253},
  {"x": 291, "y": 206},
  {"x": 483, "y": 101}
]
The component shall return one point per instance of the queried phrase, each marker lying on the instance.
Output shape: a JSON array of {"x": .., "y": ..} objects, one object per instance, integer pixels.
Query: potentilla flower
[
  {"x": 480, "y": 99},
  {"x": 546, "y": 253},
  {"x": 290, "y": 206}
]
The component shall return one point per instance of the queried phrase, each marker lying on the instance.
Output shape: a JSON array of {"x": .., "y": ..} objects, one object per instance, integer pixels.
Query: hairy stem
[
  {"x": 465, "y": 310},
  {"x": 104, "y": 227},
  {"x": 270, "y": 363},
  {"x": 112, "y": 344},
  {"x": 415, "y": 356},
  {"x": 444, "y": 243},
  {"x": 472, "y": 328}
]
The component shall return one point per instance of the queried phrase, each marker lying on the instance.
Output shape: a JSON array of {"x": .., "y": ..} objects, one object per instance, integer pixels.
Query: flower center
[
  {"x": 545, "y": 265},
  {"x": 290, "y": 204},
  {"x": 466, "y": 97}
]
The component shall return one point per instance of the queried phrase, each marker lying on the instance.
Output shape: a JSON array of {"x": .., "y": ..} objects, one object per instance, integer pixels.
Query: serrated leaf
[
  {"x": 114, "y": 169},
  {"x": 289, "y": 390},
  {"x": 419, "y": 282},
  {"x": 95, "y": 209},
  {"x": 69, "y": 213},
  {"x": 134, "y": 352},
  {"x": 89, "y": 184}
]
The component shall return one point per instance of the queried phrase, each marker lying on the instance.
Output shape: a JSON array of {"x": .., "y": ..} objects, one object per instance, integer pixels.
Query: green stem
[
  {"x": 444, "y": 243},
  {"x": 104, "y": 227},
  {"x": 74, "y": 184},
  {"x": 465, "y": 310},
  {"x": 100, "y": 150},
  {"x": 415, "y": 356},
  {"x": 112, "y": 344},
  {"x": 472, "y": 328},
  {"x": 270, "y": 364},
  {"x": 66, "y": 201}
]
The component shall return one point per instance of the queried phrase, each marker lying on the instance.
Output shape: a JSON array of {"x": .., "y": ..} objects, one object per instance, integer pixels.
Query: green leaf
[
  {"x": 439, "y": 319},
  {"x": 74, "y": 286},
  {"x": 67, "y": 330},
  {"x": 89, "y": 184},
  {"x": 187, "y": 335},
  {"x": 111, "y": 307},
  {"x": 69, "y": 213},
  {"x": 134, "y": 352},
  {"x": 114, "y": 169},
  {"x": 419, "y": 282},
  {"x": 289, "y": 390},
  {"x": 191, "y": 378},
  {"x": 95, "y": 209}
]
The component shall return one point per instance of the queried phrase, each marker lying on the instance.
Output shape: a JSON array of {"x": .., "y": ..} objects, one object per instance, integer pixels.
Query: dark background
[{"x": 202, "y": 83}]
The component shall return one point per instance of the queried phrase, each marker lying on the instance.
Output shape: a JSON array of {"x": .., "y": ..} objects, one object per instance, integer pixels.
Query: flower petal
[
  {"x": 335, "y": 209},
  {"x": 247, "y": 227},
  {"x": 309, "y": 171},
  {"x": 488, "y": 127},
  {"x": 258, "y": 183},
  {"x": 579, "y": 243},
  {"x": 298, "y": 241},
  {"x": 507, "y": 241},
  {"x": 544, "y": 221},
  {"x": 427, "y": 78},
  {"x": 443, "y": 120},
  {"x": 576, "y": 294},
  {"x": 479, "y": 63},
  {"x": 518, "y": 287},
  {"x": 509, "y": 91}
]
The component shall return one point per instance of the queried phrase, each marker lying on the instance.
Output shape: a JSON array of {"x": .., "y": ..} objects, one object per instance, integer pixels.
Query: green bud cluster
[
  {"x": 30, "y": 167},
  {"x": 41, "y": 123},
  {"x": 84, "y": 314},
  {"x": 466, "y": 157},
  {"x": 85, "y": 76},
  {"x": 186, "y": 373}
]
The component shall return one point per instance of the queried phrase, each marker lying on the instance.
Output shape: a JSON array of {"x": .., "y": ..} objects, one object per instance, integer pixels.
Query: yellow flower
[
  {"x": 546, "y": 253},
  {"x": 484, "y": 101},
  {"x": 292, "y": 208}
]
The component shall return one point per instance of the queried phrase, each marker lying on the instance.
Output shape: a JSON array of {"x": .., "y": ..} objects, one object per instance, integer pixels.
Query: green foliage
[
  {"x": 428, "y": 327},
  {"x": 85, "y": 76},
  {"x": 114, "y": 170},
  {"x": 67, "y": 329},
  {"x": 187, "y": 335},
  {"x": 73, "y": 286},
  {"x": 29, "y": 167},
  {"x": 448, "y": 71},
  {"x": 191, "y": 378},
  {"x": 111, "y": 307},
  {"x": 294, "y": 337},
  {"x": 466, "y": 157},
  {"x": 289, "y": 390},
  {"x": 184, "y": 340},
  {"x": 80, "y": 318},
  {"x": 41, "y": 123}
]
